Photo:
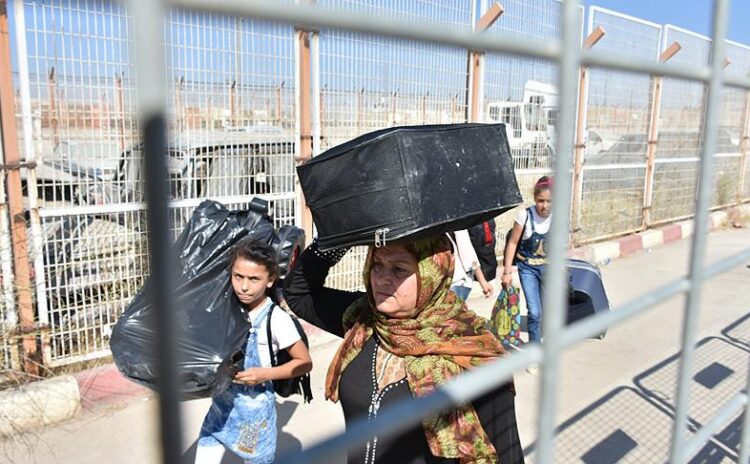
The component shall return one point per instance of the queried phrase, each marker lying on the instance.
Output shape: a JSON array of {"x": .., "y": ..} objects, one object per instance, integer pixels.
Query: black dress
[{"x": 307, "y": 296}]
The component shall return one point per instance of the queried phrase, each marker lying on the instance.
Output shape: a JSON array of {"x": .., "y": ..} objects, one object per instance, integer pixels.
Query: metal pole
[
  {"x": 148, "y": 27},
  {"x": 554, "y": 284},
  {"x": 698, "y": 249},
  {"x": 303, "y": 124},
  {"x": 476, "y": 64},
  {"x": 744, "y": 150},
  {"x": 31, "y": 182},
  {"x": 120, "y": 111},
  {"x": 745, "y": 433},
  {"x": 6, "y": 258},
  {"x": 653, "y": 137},
  {"x": 13, "y": 163},
  {"x": 316, "y": 95},
  {"x": 581, "y": 123}
]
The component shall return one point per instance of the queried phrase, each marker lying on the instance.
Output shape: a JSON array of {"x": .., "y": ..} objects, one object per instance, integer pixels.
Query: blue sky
[{"x": 694, "y": 15}]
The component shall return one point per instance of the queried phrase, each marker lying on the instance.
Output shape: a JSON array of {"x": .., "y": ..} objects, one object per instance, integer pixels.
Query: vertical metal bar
[
  {"x": 149, "y": 40},
  {"x": 476, "y": 61},
  {"x": 6, "y": 259},
  {"x": 745, "y": 431},
  {"x": 120, "y": 115},
  {"x": 15, "y": 197},
  {"x": 697, "y": 253},
  {"x": 316, "y": 95},
  {"x": 744, "y": 150},
  {"x": 580, "y": 143},
  {"x": 53, "y": 110},
  {"x": 31, "y": 183},
  {"x": 554, "y": 284},
  {"x": 653, "y": 135},
  {"x": 303, "y": 125}
]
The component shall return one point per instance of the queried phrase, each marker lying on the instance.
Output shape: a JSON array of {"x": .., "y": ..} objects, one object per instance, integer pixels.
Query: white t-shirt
[
  {"x": 541, "y": 225},
  {"x": 283, "y": 332},
  {"x": 465, "y": 259}
]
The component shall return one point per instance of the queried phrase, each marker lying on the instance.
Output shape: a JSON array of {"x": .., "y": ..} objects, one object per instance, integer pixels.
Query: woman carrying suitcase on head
[{"x": 405, "y": 336}]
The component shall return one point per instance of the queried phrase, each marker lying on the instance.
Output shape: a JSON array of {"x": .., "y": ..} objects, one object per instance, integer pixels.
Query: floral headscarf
[{"x": 442, "y": 339}]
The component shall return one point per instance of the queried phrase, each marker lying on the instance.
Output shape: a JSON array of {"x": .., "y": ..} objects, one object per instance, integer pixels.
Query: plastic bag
[
  {"x": 506, "y": 317},
  {"x": 213, "y": 328}
]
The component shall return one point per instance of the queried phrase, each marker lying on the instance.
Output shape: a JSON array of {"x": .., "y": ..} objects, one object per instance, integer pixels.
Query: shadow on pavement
[
  {"x": 634, "y": 423},
  {"x": 285, "y": 443}
]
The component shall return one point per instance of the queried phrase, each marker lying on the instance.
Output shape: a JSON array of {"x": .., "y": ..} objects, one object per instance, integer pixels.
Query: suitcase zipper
[{"x": 380, "y": 239}]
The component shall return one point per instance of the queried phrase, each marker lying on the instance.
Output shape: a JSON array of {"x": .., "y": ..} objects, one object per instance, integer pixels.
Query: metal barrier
[
  {"x": 230, "y": 136},
  {"x": 160, "y": 83},
  {"x": 567, "y": 52}
]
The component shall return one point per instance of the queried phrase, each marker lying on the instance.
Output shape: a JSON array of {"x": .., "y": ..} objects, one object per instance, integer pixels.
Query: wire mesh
[
  {"x": 522, "y": 93},
  {"x": 231, "y": 119},
  {"x": 373, "y": 82},
  {"x": 618, "y": 115}
]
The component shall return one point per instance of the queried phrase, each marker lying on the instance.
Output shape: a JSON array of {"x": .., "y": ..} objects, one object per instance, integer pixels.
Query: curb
[
  {"x": 54, "y": 400},
  {"x": 602, "y": 253}
]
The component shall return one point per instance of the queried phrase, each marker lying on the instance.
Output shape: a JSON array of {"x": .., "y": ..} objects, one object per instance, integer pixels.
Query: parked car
[
  {"x": 622, "y": 166},
  {"x": 207, "y": 164},
  {"x": 95, "y": 262}
]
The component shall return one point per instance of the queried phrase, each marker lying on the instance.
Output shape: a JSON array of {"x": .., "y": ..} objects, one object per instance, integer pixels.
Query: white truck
[{"x": 530, "y": 124}]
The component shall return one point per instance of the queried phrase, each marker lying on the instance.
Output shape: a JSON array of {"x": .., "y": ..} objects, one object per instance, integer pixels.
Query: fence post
[
  {"x": 12, "y": 166},
  {"x": 179, "y": 109},
  {"x": 120, "y": 110},
  {"x": 304, "y": 121},
  {"x": 744, "y": 149},
  {"x": 315, "y": 88},
  {"x": 360, "y": 100},
  {"x": 394, "y": 105},
  {"x": 233, "y": 103},
  {"x": 279, "y": 108},
  {"x": 322, "y": 111},
  {"x": 424, "y": 106},
  {"x": 580, "y": 144},
  {"x": 653, "y": 137},
  {"x": 53, "y": 112},
  {"x": 475, "y": 65}
]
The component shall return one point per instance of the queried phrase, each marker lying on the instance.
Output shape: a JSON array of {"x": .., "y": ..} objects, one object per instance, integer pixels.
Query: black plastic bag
[{"x": 213, "y": 328}]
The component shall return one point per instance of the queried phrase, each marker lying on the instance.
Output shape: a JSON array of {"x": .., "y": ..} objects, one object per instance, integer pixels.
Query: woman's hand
[
  {"x": 506, "y": 280},
  {"x": 252, "y": 376}
]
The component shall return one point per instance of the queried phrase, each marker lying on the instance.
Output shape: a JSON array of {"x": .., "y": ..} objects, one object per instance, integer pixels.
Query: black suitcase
[
  {"x": 409, "y": 182},
  {"x": 586, "y": 295}
]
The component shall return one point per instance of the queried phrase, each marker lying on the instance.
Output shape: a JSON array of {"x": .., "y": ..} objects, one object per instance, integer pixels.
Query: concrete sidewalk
[{"x": 631, "y": 364}]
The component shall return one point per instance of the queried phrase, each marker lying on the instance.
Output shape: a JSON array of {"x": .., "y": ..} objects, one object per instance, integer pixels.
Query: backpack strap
[
  {"x": 529, "y": 218},
  {"x": 268, "y": 334}
]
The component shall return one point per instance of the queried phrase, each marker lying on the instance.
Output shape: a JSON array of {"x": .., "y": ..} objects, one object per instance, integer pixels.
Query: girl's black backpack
[{"x": 296, "y": 385}]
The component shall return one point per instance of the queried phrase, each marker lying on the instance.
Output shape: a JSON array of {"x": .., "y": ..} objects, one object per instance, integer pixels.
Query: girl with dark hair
[
  {"x": 243, "y": 417},
  {"x": 527, "y": 244}
]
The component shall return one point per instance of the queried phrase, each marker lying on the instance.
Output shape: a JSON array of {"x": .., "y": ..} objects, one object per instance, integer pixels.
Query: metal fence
[{"x": 225, "y": 79}]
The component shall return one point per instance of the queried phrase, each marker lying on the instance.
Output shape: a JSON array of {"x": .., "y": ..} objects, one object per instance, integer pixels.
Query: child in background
[
  {"x": 243, "y": 418},
  {"x": 466, "y": 267},
  {"x": 527, "y": 243}
]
